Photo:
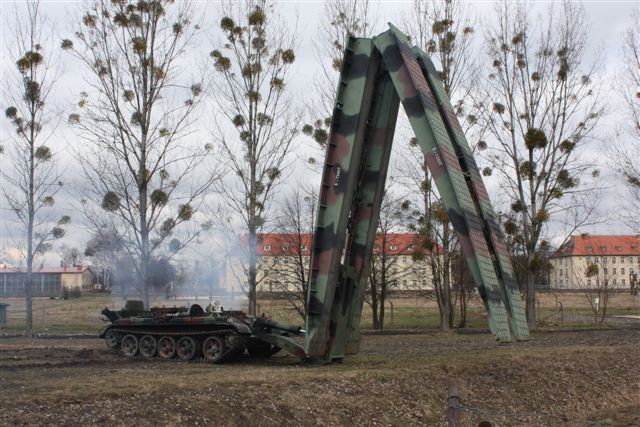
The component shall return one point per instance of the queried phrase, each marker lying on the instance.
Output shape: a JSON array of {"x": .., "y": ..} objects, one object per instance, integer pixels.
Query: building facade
[
  {"x": 46, "y": 281},
  {"x": 617, "y": 259},
  {"x": 283, "y": 263}
]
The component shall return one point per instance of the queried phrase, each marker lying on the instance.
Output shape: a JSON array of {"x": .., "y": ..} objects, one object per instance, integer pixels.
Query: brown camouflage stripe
[
  {"x": 377, "y": 74},
  {"x": 367, "y": 201},
  {"x": 422, "y": 107},
  {"x": 339, "y": 179},
  {"x": 495, "y": 237}
]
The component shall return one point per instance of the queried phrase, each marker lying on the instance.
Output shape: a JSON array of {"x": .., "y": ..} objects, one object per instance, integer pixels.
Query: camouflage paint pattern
[
  {"x": 378, "y": 74},
  {"x": 365, "y": 213},
  {"x": 339, "y": 179},
  {"x": 493, "y": 233},
  {"x": 442, "y": 161}
]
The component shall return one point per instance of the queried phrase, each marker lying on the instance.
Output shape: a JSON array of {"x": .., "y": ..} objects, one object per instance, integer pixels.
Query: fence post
[{"x": 453, "y": 406}]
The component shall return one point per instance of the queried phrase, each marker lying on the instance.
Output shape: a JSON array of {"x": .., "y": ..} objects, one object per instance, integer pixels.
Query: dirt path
[{"x": 556, "y": 379}]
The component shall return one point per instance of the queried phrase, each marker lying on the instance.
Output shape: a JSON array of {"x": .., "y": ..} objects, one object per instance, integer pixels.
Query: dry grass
[
  {"x": 81, "y": 315},
  {"x": 556, "y": 379},
  {"x": 565, "y": 378}
]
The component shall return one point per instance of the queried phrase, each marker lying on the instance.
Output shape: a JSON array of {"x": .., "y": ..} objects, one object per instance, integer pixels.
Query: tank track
[{"x": 233, "y": 348}]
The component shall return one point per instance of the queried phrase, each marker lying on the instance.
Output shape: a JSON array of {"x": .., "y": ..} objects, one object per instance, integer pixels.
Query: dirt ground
[{"x": 570, "y": 378}]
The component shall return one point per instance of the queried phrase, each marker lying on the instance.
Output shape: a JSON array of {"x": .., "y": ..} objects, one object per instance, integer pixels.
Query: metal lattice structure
[{"x": 378, "y": 75}]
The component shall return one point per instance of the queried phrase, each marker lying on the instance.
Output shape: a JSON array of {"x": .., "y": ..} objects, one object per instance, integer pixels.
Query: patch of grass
[{"x": 82, "y": 315}]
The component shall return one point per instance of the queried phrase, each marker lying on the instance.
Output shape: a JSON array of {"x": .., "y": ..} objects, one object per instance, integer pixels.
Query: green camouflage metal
[
  {"x": 493, "y": 233},
  {"x": 339, "y": 180},
  {"x": 377, "y": 74}
]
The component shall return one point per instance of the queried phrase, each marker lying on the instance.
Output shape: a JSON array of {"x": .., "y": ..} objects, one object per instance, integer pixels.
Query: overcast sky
[{"x": 609, "y": 20}]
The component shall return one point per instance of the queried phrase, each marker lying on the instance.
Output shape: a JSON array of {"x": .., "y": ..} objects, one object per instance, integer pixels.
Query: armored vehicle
[{"x": 214, "y": 335}]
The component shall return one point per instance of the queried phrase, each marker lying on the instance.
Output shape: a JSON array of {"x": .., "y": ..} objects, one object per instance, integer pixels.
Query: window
[
  {"x": 605, "y": 260},
  {"x": 634, "y": 247},
  {"x": 606, "y": 271},
  {"x": 412, "y": 247},
  {"x": 393, "y": 247},
  {"x": 596, "y": 261},
  {"x": 613, "y": 260},
  {"x": 615, "y": 281},
  {"x": 614, "y": 271},
  {"x": 560, "y": 272},
  {"x": 267, "y": 248},
  {"x": 630, "y": 260},
  {"x": 619, "y": 248},
  {"x": 303, "y": 248},
  {"x": 588, "y": 283},
  {"x": 588, "y": 259},
  {"x": 285, "y": 248},
  {"x": 622, "y": 260},
  {"x": 603, "y": 249},
  {"x": 589, "y": 248},
  {"x": 623, "y": 282},
  {"x": 622, "y": 270}
]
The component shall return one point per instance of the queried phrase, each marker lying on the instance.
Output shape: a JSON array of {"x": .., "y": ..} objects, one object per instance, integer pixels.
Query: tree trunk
[
  {"x": 463, "y": 308},
  {"x": 445, "y": 317},
  {"x": 253, "y": 261},
  {"x": 383, "y": 297},
  {"x": 446, "y": 321},
  {"x": 28, "y": 298},
  {"x": 531, "y": 301}
]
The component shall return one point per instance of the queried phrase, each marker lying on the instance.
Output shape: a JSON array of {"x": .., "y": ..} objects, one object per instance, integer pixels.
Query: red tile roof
[
  {"x": 68, "y": 269},
  {"x": 594, "y": 245},
  {"x": 274, "y": 244},
  {"x": 286, "y": 243}
]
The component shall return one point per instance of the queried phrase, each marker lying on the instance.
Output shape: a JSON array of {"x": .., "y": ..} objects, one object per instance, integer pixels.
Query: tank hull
[{"x": 214, "y": 337}]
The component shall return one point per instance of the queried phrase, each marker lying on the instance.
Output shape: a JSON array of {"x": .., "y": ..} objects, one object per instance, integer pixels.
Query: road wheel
[
  {"x": 186, "y": 348},
  {"x": 129, "y": 345},
  {"x": 148, "y": 346},
  {"x": 166, "y": 347},
  {"x": 112, "y": 338},
  {"x": 213, "y": 348}
]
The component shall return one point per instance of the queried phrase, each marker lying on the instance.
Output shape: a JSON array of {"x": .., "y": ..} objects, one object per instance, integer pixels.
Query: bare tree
[
  {"x": 30, "y": 177},
  {"x": 387, "y": 272},
  {"x": 254, "y": 62},
  {"x": 445, "y": 31},
  {"x": 296, "y": 222},
  {"x": 543, "y": 109},
  {"x": 106, "y": 250},
  {"x": 70, "y": 256},
  {"x": 340, "y": 19},
  {"x": 464, "y": 287},
  {"x": 627, "y": 84},
  {"x": 139, "y": 162},
  {"x": 594, "y": 285}
]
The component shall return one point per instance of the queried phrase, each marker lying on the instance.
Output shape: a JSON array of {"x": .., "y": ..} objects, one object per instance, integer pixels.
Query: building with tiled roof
[
  {"x": 46, "y": 281},
  {"x": 281, "y": 256},
  {"x": 617, "y": 257}
]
